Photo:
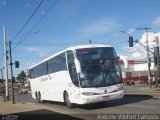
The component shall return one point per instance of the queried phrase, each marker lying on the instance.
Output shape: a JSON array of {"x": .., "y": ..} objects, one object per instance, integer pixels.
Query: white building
[{"x": 134, "y": 70}]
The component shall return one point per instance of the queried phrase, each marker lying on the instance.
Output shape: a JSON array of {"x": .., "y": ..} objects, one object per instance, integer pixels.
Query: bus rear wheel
[
  {"x": 67, "y": 101},
  {"x": 40, "y": 98}
]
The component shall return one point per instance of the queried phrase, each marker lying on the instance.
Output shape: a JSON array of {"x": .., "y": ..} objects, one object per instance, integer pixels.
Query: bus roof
[{"x": 71, "y": 48}]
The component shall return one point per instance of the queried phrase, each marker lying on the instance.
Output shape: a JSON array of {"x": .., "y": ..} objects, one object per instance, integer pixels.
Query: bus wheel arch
[{"x": 67, "y": 99}]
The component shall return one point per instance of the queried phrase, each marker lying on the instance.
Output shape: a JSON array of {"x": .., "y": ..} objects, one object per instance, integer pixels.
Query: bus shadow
[
  {"x": 43, "y": 114},
  {"x": 54, "y": 102},
  {"x": 128, "y": 99}
]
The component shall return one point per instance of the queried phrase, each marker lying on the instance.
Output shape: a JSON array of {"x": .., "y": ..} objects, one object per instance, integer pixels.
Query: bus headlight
[{"x": 87, "y": 93}]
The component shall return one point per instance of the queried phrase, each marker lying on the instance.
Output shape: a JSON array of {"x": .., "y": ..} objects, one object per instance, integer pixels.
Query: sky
[{"x": 75, "y": 22}]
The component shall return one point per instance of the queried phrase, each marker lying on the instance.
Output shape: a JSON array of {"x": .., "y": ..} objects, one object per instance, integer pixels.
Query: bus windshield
[{"x": 99, "y": 67}]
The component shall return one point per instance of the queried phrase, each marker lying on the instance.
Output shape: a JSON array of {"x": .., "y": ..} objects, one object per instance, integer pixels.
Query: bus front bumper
[{"x": 86, "y": 99}]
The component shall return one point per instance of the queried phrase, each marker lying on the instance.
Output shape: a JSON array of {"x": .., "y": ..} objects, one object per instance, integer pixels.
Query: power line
[
  {"x": 2, "y": 57},
  {"x": 113, "y": 44},
  {"x": 27, "y": 20},
  {"x": 51, "y": 44},
  {"x": 36, "y": 24}
]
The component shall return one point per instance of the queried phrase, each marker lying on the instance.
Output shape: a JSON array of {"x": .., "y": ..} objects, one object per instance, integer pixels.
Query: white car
[{"x": 23, "y": 91}]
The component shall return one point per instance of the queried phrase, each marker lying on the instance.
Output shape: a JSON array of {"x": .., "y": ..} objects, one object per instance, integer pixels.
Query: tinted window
[
  {"x": 31, "y": 73},
  {"x": 70, "y": 57},
  {"x": 39, "y": 70},
  {"x": 57, "y": 63},
  {"x": 72, "y": 68},
  {"x": 95, "y": 53}
]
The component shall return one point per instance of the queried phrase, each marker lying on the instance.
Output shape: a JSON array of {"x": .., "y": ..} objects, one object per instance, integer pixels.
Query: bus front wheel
[{"x": 67, "y": 101}]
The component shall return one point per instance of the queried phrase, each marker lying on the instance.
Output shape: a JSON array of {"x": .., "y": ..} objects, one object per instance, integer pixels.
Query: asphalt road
[{"x": 130, "y": 104}]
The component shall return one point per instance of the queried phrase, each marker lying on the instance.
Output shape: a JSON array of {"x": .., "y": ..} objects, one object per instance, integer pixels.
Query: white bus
[{"x": 78, "y": 75}]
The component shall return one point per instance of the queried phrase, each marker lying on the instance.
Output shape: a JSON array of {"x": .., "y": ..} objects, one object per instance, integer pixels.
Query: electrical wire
[
  {"x": 2, "y": 57},
  {"x": 28, "y": 20},
  {"x": 51, "y": 44},
  {"x": 28, "y": 33}
]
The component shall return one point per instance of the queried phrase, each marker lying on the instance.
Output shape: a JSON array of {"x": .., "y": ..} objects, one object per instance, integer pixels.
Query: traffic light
[
  {"x": 130, "y": 41},
  {"x": 16, "y": 64}
]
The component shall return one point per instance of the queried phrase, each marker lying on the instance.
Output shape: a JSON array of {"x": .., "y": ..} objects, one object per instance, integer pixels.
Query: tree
[{"x": 21, "y": 77}]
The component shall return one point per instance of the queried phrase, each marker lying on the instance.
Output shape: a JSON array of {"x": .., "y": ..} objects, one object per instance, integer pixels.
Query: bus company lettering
[{"x": 46, "y": 78}]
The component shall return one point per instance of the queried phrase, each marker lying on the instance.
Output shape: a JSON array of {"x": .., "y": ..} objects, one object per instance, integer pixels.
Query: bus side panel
[
  {"x": 53, "y": 88},
  {"x": 35, "y": 86}
]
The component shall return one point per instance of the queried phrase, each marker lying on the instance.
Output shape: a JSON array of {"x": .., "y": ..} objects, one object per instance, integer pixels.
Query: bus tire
[
  {"x": 40, "y": 98},
  {"x": 36, "y": 95},
  {"x": 67, "y": 100}
]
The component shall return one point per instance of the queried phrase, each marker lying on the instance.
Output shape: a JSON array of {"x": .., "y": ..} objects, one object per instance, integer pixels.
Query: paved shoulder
[{"x": 30, "y": 111}]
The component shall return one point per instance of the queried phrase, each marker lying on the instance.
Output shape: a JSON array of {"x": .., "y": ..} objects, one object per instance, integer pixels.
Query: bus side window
[
  {"x": 30, "y": 73},
  {"x": 72, "y": 68}
]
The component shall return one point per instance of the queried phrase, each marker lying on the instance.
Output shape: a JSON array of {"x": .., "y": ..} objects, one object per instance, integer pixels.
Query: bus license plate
[{"x": 106, "y": 97}]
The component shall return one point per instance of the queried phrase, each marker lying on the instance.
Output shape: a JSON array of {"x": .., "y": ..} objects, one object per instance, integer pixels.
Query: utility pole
[
  {"x": 11, "y": 64},
  {"x": 148, "y": 55},
  {"x": 2, "y": 82},
  {"x": 6, "y": 65},
  {"x": 156, "y": 39}
]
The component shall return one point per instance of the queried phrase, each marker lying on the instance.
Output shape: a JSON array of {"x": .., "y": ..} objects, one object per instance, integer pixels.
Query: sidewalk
[
  {"x": 6, "y": 107},
  {"x": 29, "y": 111}
]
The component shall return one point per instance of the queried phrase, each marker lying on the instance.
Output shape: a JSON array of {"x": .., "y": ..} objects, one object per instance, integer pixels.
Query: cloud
[
  {"x": 156, "y": 21},
  {"x": 25, "y": 66},
  {"x": 3, "y": 3},
  {"x": 101, "y": 26},
  {"x": 38, "y": 51},
  {"x": 131, "y": 30}
]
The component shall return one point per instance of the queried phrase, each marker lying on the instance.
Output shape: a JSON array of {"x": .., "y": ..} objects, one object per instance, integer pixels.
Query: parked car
[{"x": 22, "y": 91}]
